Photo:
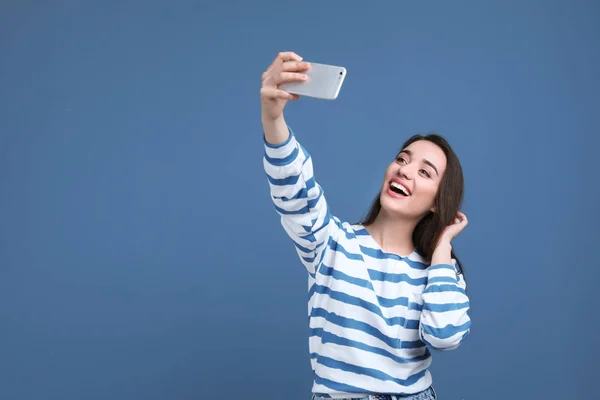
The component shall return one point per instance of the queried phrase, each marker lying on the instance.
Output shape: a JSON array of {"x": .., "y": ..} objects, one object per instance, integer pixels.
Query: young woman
[{"x": 382, "y": 293}]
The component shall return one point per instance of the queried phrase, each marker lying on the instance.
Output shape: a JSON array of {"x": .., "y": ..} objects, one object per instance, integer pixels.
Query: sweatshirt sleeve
[
  {"x": 299, "y": 199},
  {"x": 444, "y": 319}
]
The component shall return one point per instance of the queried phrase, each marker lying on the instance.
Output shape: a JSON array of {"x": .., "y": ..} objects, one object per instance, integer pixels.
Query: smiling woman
[
  {"x": 382, "y": 293},
  {"x": 428, "y": 174}
]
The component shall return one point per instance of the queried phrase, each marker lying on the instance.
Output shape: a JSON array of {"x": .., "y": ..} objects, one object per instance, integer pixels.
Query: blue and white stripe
[{"x": 374, "y": 317}]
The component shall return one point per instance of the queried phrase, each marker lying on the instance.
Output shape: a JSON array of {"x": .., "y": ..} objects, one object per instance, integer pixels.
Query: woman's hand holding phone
[{"x": 287, "y": 67}]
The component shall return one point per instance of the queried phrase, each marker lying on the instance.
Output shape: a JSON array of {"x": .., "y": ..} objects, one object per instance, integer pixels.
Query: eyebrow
[{"x": 410, "y": 153}]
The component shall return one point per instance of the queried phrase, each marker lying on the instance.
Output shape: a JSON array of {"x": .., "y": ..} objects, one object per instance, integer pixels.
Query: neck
[{"x": 393, "y": 234}]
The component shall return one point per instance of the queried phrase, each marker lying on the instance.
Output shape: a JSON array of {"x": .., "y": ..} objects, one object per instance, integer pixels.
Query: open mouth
[{"x": 399, "y": 189}]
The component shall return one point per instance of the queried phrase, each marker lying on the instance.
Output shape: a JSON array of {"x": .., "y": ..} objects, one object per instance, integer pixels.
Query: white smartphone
[{"x": 325, "y": 82}]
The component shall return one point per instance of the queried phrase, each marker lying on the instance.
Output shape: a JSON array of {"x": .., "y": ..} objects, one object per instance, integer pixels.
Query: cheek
[
  {"x": 389, "y": 172},
  {"x": 428, "y": 191}
]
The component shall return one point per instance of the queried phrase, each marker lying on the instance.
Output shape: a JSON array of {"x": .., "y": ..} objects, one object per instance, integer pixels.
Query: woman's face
[{"x": 411, "y": 182}]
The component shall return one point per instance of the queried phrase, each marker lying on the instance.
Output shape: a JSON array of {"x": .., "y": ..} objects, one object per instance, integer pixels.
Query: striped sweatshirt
[{"x": 374, "y": 317}]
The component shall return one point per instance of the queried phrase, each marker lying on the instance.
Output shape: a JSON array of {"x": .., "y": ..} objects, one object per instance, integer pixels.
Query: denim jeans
[{"x": 427, "y": 394}]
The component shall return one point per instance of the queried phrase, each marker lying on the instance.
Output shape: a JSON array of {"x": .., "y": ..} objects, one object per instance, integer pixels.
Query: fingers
[
  {"x": 274, "y": 93},
  {"x": 284, "y": 57},
  {"x": 273, "y": 79},
  {"x": 294, "y": 66},
  {"x": 461, "y": 218},
  {"x": 291, "y": 77},
  {"x": 288, "y": 56},
  {"x": 287, "y": 67}
]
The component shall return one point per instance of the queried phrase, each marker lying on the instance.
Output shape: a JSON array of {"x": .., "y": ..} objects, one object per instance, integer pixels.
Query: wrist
[
  {"x": 268, "y": 118},
  {"x": 444, "y": 243},
  {"x": 276, "y": 130},
  {"x": 442, "y": 254}
]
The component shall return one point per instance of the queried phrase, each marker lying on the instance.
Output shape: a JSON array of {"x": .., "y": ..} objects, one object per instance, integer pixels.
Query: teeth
[{"x": 399, "y": 186}]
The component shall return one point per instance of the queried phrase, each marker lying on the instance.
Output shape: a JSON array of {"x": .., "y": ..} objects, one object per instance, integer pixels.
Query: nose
[{"x": 405, "y": 171}]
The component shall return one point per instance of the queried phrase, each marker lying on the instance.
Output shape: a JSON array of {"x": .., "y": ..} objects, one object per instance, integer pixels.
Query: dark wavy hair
[{"x": 447, "y": 201}]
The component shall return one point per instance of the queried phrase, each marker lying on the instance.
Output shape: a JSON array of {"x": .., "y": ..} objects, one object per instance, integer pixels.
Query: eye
[
  {"x": 427, "y": 174},
  {"x": 401, "y": 160}
]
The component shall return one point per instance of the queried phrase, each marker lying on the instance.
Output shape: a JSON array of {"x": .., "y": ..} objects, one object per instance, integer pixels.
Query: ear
[{"x": 433, "y": 209}]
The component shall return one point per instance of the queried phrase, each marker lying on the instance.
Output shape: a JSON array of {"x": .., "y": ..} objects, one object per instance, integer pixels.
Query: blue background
[{"x": 141, "y": 258}]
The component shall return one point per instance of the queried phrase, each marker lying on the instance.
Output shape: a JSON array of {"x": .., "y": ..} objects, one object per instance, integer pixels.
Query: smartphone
[{"x": 325, "y": 82}]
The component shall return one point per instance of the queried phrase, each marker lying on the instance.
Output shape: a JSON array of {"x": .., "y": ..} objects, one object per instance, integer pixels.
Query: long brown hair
[{"x": 447, "y": 201}]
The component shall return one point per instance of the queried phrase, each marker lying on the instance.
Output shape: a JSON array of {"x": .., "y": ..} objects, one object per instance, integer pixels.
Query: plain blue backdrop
[{"x": 141, "y": 258}]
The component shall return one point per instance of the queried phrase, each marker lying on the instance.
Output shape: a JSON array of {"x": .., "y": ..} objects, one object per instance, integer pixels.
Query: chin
[
  {"x": 400, "y": 208},
  {"x": 393, "y": 207}
]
